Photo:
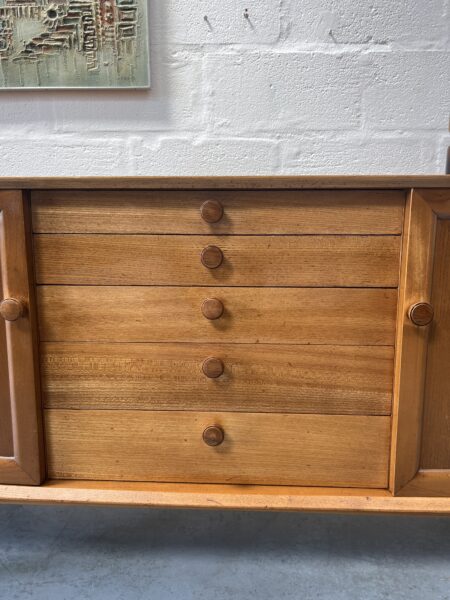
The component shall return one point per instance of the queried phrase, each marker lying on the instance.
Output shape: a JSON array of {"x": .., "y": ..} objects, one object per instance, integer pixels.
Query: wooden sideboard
[{"x": 258, "y": 343}]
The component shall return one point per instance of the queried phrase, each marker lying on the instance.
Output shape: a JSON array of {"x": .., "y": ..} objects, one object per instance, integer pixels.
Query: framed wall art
[{"x": 73, "y": 44}]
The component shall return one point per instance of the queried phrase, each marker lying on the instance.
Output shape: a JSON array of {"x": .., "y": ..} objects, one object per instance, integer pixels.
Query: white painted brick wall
[{"x": 301, "y": 86}]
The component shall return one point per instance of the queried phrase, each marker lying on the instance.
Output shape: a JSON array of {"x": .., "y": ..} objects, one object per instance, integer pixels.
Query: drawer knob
[
  {"x": 11, "y": 309},
  {"x": 421, "y": 313},
  {"x": 213, "y": 435},
  {"x": 213, "y": 367},
  {"x": 212, "y": 308},
  {"x": 211, "y": 211},
  {"x": 211, "y": 257}
]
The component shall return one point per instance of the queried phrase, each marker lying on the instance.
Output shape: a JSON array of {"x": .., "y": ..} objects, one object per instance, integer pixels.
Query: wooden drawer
[
  {"x": 244, "y": 212},
  {"x": 256, "y": 377},
  {"x": 251, "y": 315},
  {"x": 345, "y": 261},
  {"x": 257, "y": 448}
]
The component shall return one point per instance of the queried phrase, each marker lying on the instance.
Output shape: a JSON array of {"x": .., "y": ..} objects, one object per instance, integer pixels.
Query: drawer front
[
  {"x": 257, "y": 448},
  {"x": 244, "y": 212},
  {"x": 251, "y": 315},
  {"x": 345, "y": 261},
  {"x": 255, "y": 378},
  {"x": 270, "y": 315}
]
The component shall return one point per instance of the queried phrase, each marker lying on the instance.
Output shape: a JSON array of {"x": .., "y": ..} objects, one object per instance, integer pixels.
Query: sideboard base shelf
[{"x": 427, "y": 493}]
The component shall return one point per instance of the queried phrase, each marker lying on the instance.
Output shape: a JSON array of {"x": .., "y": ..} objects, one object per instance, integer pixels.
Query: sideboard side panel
[
  {"x": 411, "y": 342},
  {"x": 21, "y": 459}
]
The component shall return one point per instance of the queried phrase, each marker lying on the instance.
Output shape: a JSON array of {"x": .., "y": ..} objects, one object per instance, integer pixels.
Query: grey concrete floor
[{"x": 88, "y": 553}]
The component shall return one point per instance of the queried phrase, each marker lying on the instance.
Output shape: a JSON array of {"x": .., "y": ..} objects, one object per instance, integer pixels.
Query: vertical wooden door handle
[
  {"x": 11, "y": 309},
  {"x": 211, "y": 211},
  {"x": 421, "y": 313}
]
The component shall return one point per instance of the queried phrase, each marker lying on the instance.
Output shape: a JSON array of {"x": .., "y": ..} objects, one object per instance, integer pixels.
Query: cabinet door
[
  {"x": 21, "y": 454},
  {"x": 421, "y": 411}
]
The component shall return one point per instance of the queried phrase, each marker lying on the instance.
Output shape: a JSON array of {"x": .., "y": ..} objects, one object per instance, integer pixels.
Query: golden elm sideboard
[{"x": 260, "y": 343}]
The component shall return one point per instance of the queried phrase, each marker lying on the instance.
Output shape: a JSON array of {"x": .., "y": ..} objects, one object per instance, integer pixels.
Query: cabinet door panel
[
  {"x": 435, "y": 452},
  {"x": 421, "y": 408},
  {"x": 6, "y": 439},
  {"x": 21, "y": 459}
]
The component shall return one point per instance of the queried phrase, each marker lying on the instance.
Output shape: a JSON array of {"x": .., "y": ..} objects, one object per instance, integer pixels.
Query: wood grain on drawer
[
  {"x": 258, "y": 448},
  {"x": 347, "y": 261},
  {"x": 319, "y": 211},
  {"x": 173, "y": 314},
  {"x": 257, "y": 377}
]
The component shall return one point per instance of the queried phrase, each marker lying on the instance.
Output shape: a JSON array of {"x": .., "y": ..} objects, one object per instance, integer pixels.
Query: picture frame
[{"x": 74, "y": 44}]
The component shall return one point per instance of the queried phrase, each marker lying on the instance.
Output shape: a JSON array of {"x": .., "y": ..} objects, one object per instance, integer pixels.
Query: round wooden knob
[
  {"x": 213, "y": 435},
  {"x": 211, "y": 211},
  {"x": 211, "y": 257},
  {"x": 213, "y": 367},
  {"x": 11, "y": 309},
  {"x": 212, "y": 308},
  {"x": 421, "y": 313}
]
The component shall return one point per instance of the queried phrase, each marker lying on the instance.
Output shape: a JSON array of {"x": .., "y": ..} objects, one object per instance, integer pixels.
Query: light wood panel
[
  {"x": 438, "y": 200},
  {"x": 245, "y": 212},
  {"x": 260, "y": 378},
  {"x": 436, "y": 421},
  {"x": 21, "y": 456},
  {"x": 363, "y": 317},
  {"x": 6, "y": 432},
  {"x": 258, "y": 448},
  {"x": 429, "y": 483},
  {"x": 411, "y": 342},
  {"x": 346, "y": 261},
  {"x": 222, "y": 496}
]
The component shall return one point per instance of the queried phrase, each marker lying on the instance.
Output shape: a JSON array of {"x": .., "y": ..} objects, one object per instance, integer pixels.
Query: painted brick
[
  {"x": 278, "y": 91},
  {"x": 183, "y": 156},
  {"x": 181, "y": 22},
  {"x": 408, "y": 90},
  {"x": 26, "y": 111},
  {"x": 174, "y": 101},
  {"x": 416, "y": 22},
  {"x": 237, "y": 96},
  {"x": 360, "y": 156},
  {"x": 62, "y": 156}
]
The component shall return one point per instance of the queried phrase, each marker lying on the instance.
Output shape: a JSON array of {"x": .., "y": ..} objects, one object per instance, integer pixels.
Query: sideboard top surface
[{"x": 224, "y": 183}]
